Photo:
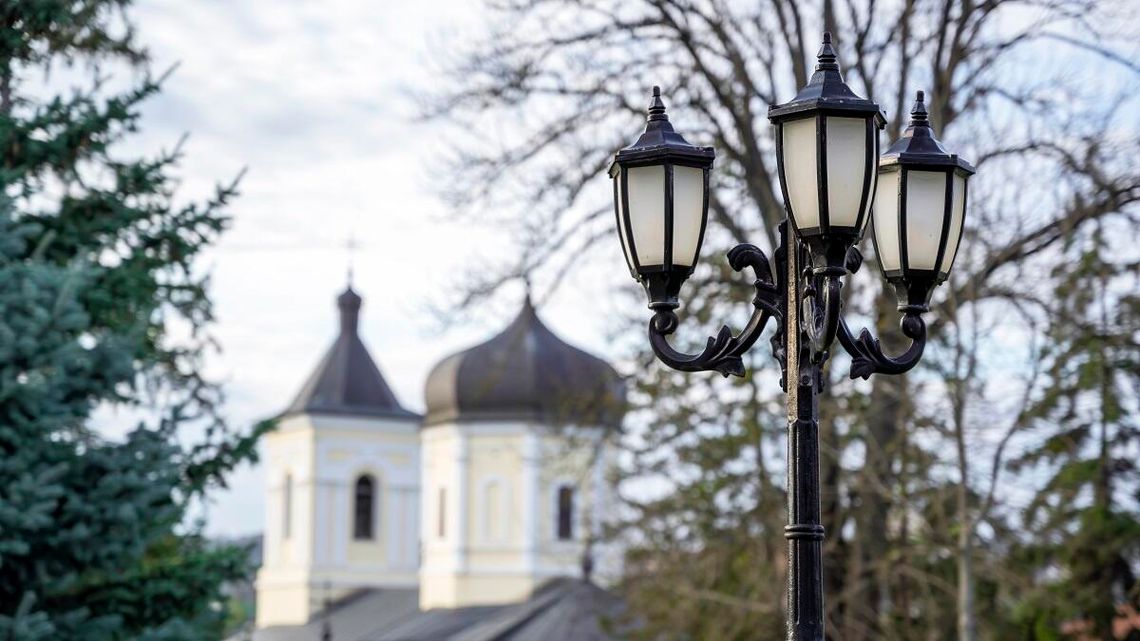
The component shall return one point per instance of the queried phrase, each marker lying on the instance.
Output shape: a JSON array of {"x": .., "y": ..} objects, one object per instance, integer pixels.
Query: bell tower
[{"x": 342, "y": 485}]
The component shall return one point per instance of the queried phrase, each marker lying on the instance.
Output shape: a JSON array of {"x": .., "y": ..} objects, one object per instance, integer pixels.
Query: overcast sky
[{"x": 311, "y": 96}]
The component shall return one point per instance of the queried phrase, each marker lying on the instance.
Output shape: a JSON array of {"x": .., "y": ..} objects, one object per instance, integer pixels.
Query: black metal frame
[
  {"x": 724, "y": 352},
  {"x": 826, "y": 95}
]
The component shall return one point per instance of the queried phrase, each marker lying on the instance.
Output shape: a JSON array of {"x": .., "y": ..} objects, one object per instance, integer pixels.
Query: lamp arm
[
  {"x": 867, "y": 354},
  {"x": 722, "y": 353}
]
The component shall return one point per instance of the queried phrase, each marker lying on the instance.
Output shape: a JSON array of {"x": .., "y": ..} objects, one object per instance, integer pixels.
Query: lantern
[
  {"x": 827, "y": 147},
  {"x": 661, "y": 199},
  {"x": 919, "y": 210}
]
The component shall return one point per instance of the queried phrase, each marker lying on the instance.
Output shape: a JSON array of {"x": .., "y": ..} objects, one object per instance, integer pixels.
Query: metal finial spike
[
  {"x": 826, "y": 57},
  {"x": 657, "y": 106},
  {"x": 918, "y": 113}
]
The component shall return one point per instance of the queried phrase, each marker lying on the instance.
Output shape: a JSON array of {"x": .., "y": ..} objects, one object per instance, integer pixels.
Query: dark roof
[
  {"x": 351, "y": 618},
  {"x": 347, "y": 380},
  {"x": 562, "y": 610},
  {"x": 525, "y": 373}
]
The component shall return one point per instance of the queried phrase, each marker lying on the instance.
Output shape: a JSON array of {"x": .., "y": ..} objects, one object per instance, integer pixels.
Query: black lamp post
[{"x": 828, "y": 160}]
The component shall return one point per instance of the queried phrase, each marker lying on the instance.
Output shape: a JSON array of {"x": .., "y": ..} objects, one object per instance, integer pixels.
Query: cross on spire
[{"x": 350, "y": 246}]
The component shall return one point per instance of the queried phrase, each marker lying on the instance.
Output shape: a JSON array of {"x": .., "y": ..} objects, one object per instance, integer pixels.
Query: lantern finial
[
  {"x": 657, "y": 106},
  {"x": 826, "y": 57},
  {"x": 919, "y": 117}
]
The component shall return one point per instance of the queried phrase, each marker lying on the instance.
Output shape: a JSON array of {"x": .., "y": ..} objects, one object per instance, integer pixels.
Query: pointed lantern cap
[
  {"x": 826, "y": 92},
  {"x": 918, "y": 147},
  {"x": 660, "y": 143}
]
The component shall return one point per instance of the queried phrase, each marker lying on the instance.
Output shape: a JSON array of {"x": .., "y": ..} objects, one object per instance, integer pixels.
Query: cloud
[{"x": 307, "y": 95}]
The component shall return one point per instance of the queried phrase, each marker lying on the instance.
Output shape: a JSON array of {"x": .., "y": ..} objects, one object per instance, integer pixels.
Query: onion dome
[
  {"x": 347, "y": 380},
  {"x": 525, "y": 373}
]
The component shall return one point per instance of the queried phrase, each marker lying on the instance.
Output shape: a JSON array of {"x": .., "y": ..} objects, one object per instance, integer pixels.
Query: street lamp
[
  {"x": 828, "y": 163},
  {"x": 919, "y": 211},
  {"x": 661, "y": 196}
]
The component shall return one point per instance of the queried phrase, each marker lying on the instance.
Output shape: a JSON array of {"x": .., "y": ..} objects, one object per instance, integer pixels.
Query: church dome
[{"x": 525, "y": 373}]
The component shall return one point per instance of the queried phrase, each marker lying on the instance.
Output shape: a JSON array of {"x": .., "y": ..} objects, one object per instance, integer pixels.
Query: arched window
[
  {"x": 494, "y": 522},
  {"x": 364, "y": 509},
  {"x": 287, "y": 507},
  {"x": 565, "y": 513}
]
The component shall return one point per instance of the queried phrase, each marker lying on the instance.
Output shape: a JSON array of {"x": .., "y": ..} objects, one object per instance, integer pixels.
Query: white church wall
[
  {"x": 525, "y": 464},
  {"x": 324, "y": 456},
  {"x": 289, "y": 464}
]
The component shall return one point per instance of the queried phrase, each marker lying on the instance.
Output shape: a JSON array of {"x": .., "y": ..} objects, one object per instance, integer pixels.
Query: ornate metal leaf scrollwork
[
  {"x": 866, "y": 351},
  {"x": 722, "y": 353}
]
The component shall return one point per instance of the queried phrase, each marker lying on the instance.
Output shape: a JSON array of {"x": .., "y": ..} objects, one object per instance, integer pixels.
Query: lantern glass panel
[
  {"x": 647, "y": 213},
  {"x": 957, "y": 215},
  {"x": 688, "y": 212},
  {"x": 847, "y": 155},
  {"x": 925, "y": 211},
  {"x": 621, "y": 223},
  {"x": 801, "y": 173},
  {"x": 886, "y": 214}
]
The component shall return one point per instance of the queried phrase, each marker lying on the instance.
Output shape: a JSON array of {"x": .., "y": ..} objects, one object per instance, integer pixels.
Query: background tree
[
  {"x": 916, "y": 489},
  {"x": 97, "y": 265},
  {"x": 1085, "y": 516}
]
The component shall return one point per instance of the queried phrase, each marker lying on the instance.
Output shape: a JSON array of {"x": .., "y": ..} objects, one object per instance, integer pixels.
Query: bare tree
[{"x": 556, "y": 86}]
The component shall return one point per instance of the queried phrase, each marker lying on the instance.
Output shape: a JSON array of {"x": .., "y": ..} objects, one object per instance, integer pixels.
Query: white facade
[
  {"x": 496, "y": 520},
  {"x": 311, "y": 552}
]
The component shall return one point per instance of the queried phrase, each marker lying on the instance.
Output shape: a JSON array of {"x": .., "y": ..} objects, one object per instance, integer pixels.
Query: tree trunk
[
  {"x": 831, "y": 487},
  {"x": 1103, "y": 491},
  {"x": 967, "y": 622},
  {"x": 868, "y": 570},
  {"x": 5, "y": 91}
]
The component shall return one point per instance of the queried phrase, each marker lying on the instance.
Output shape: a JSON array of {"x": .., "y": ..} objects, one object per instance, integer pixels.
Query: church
[{"x": 480, "y": 520}]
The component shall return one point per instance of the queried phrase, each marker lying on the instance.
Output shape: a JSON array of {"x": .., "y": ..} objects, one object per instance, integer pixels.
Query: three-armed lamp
[{"x": 827, "y": 159}]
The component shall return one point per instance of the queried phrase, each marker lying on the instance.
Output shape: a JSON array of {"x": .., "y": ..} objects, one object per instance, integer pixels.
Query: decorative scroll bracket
[
  {"x": 723, "y": 353},
  {"x": 866, "y": 351},
  {"x": 867, "y": 355}
]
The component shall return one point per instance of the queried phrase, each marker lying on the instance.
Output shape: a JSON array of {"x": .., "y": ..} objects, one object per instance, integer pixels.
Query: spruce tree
[{"x": 96, "y": 263}]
